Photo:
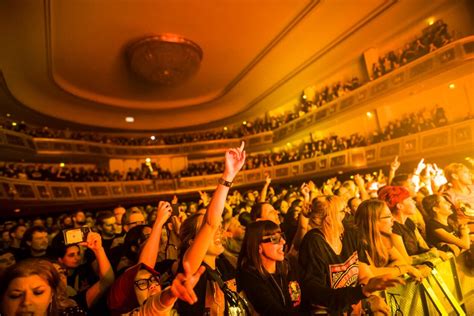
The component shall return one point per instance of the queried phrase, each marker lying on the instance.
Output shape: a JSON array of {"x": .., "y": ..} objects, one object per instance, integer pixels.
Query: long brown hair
[
  {"x": 367, "y": 215},
  {"x": 249, "y": 256}
]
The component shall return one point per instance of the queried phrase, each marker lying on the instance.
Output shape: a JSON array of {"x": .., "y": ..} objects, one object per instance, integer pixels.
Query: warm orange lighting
[
  {"x": 369, "y": 114},
  {"x": 148, "y": 160},
  {"x": 452, "y": 86},
  {"x": 225, "y": 128},
  {"x": 129, "y": 119},
  {"x": 17, "y": 210},
  {"x": 304, "y": 96},
  {"x": 244, "y": 122},
  {"x": 62, "y": 164},
  {"x": 13, "y": 123},
  {"x": 152, "y": 137},
  {"x": 8, "y": 114},
  {"x": 430, "y": 21}
]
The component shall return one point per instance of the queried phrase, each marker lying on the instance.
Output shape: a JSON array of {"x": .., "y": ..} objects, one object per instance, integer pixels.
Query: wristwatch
[{"x": 225, "y": 182}]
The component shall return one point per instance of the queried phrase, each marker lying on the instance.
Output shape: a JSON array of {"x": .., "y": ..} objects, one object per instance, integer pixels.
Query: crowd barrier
[
  {"x": 448, "y": 290},
  {"x": 447, "y": 57},
  {"x": 456, "y": 138}
]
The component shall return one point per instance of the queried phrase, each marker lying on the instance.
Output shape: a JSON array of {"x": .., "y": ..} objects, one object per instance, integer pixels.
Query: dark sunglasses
[
  {"x": 274, "y": 239},
  {"x": 144, "y": 284}
]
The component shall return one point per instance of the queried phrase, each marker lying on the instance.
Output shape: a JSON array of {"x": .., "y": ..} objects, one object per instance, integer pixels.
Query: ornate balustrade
[
  {"x": 449, "y": 56},
  {"x": 448, "y": 140}
]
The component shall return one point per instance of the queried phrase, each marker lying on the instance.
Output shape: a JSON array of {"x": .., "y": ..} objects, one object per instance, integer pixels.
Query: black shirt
[
  {"x": 329, "y": 279},
  {"x": 407, "y": 232},
  {"x": 276, "y": 294}
]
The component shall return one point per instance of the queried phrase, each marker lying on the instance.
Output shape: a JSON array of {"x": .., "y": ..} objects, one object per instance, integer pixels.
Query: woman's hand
[
  {"x": 414, "y": 273},
  {"x": 94, "y": 242},
  {"x": 380, "y": 283},
  {"x": 234, "y": 160},
  {"x": 183, "y": 285},
  {"x": 164, "y": 212},
  {"x": 378, "y": 305}
]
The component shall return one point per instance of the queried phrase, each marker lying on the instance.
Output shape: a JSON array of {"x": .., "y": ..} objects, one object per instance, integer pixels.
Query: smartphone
[
  {"x": 175, "y": 211},
  {"x": 75, "y": 235}
]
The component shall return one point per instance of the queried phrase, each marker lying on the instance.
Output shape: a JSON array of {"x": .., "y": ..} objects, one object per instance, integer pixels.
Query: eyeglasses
[
  {"x": 144, "y": 284},
  {"x": 137, "y": 223},
  {"x": 274, "y": 239}
]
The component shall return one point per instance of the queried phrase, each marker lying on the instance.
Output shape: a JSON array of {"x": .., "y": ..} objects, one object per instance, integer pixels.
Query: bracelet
[{"x": 225, "y": 182}]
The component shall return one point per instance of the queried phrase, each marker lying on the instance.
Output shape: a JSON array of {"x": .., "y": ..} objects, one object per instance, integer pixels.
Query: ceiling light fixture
[
  {"x": 165, "y": 60},
  {"x": 129, "y": 119}
]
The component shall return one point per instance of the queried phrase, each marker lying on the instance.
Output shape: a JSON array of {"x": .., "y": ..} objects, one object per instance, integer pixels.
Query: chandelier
[{"x": 164, "y": 60}]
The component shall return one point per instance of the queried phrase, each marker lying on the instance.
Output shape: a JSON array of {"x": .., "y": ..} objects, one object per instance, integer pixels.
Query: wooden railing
[{"x": 447, "y": 140}]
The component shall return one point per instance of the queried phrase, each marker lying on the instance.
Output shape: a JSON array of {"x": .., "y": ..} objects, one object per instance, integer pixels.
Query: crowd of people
[
  {"x": 408, "y": 124},
  {"x": 287, "y": 250},
  {"x": 326, "y": 95},
  {"x": 433, "y": 37}
]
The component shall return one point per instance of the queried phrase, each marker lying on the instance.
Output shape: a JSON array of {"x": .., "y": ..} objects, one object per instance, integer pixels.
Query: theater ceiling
[{"x": 78, "y": 62}]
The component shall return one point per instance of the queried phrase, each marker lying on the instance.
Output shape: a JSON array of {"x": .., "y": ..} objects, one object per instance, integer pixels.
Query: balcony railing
[
  {"x": 447, "y": 140},
  {"x": 449, "y": 56}
]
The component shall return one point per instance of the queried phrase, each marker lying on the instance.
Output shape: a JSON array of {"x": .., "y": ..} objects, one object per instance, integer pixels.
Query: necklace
[{"x": 279, "y": 287}]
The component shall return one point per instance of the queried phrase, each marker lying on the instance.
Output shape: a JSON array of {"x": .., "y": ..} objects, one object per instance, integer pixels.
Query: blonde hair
[{"x": 324, "y": 214}]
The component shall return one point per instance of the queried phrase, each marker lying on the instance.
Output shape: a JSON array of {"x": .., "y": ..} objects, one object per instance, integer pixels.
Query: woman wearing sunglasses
[
  {"x": 335, "y": 275},
  {"x": 263, "y": 274}
]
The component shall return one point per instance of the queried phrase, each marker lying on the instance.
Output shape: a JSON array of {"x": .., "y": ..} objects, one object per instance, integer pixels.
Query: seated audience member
[
  {"x": 460, "y": 192},
  {"x": 439, "y": 231},
  {"x": 201, "y": 243},
  {"x": 35, "y": 243},
  {"x": 265, "y": 211},
  {"x": 327, "y": 252},
  {"x": 405, "y": 235},
  {"x": 85, "y": 288},
  {"x": 33, "y": 287},
  {"x": 264, "y": 275},
  {"x": 374, "y": 223}
]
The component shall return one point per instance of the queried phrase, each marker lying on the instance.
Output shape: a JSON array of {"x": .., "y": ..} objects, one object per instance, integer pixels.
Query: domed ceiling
[{"x": 77, "y": 60}]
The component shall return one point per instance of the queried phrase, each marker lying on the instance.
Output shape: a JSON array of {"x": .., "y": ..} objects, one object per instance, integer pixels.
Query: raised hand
[
  {"x": 395, "y": 164},
  {"x": 183, "y": 284},
  {"x": 268, "y": 179},
  {"x": 94, "y": 241},
  {"x": 359, "y": 181},
  {"x": 164, "y": 212},
  {"x": 234, "y": 160},
  {"x": 204, "y": 198},
  {"x": 421, "y": 165},
  {"x": 174, "y": 200}
]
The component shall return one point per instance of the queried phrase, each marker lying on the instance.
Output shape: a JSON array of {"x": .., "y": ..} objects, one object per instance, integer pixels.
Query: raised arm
[
  {"x": 393, "y": 169},
  {"x": 106, "y": 273},
  {"x": 152, "y": 246},
  {"x": 234, "y": 160},
  {"x": 263, "y": 194}
]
